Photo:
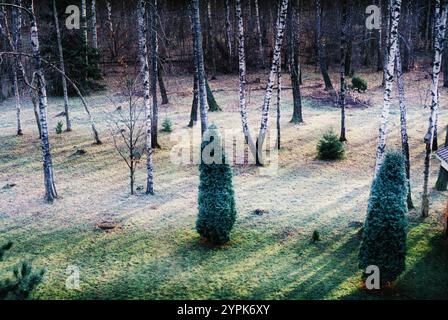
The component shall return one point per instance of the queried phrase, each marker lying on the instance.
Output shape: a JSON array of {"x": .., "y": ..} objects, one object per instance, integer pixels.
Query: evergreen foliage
[
  {"x": 23, "y": 282},
  {"x": 58, "y": 128},
  {"x": 384, "y": 237},
  {"x": 167, "y": 125},
  {"x": 329, "y": 147},
  {"x": 359, "y": 84},
  {"x": 86, "y": 74},
  {"x": 216, "y": 201}
]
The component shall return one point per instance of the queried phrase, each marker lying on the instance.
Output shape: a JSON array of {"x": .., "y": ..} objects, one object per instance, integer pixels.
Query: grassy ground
[{"x": 157, "y": 254}]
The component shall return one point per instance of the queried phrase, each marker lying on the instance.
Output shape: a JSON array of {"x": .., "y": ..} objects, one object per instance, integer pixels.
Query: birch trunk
[
  {"x": 242, "y": 77},
  {"x": 321, "y": 48},
  {"x": 228, "y": 30},
  {"x": 294, "y": 61},
  {"x": 279, "y": 97},
  {"x": 154, "y": 67},
  {"x": 387, "y": 42},
  {"x": 94, "y": 29},
  {"x": 16, "y": 27},
  {"x": 259, "y": 37},
  {"x": 343, "y": 48},
  {"x": 195, "y": 102},
  {"x": 50, "y": 189},
  {"x": 110, "y": 25},
  {"x": 62, "y": 67},
  {"x": 440, "y": 18},
  {"x": 281, "y": 21},
  {"x": 211, "y": 39},
  {"x": 196, "y": 20},
  {"x": 84, "y": 22},
  {"x": 403, "y": 126},
  {"x": 143, "y": 55},
  {"x": 389, "y": 71}
]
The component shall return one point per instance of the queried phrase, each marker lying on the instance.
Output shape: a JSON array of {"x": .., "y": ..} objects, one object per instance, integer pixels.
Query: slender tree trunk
[
  {"x": 440, "y": 18},
  {"x": 94, "y": 29},
  {"x": 196, "y": 20},
  {"x": 62, "y": 67},
  {"x": 143, "y": 54},
  {"x": 294, "y": 60},
  {"x": 50, "y": 189},
  {"x": 228, "y": 31},
  {"x": 154, "y": 67},
  {"x": 259, "y": 36},
  {"x": 343, "y": 48},
  {"x": 348, "y": 55},
  {"x": 195, "y": 102},
  {"x": 111, "y": 29},
  {"x": 404, "y": 130},
  {"x": 162, "y": 87},
  {"x": 388, "y": 40},
  {"x": 281, "y": 21},
  {"x": 442, "y": 179},
  {"x": 321, "y": 48},
  {"x": 380, "y": 51},
  {"x": 279, "y": 95},
  {"x": 389, "y": 70},
  {"x": 242, "y": 78},
  {"x": 16, "y": 28},
  {"x": 211, "y": 39},
  {"x": 84, "y": 23}
]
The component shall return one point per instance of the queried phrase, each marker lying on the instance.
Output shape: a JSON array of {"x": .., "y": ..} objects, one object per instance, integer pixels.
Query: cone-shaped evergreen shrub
[
  {"x": 216, "y": 201},
  {"x": 359, "y": 84},
  {"x": 329, "y": 147},
  {"x": 212, "y": 104},
  {"x": 24, "y": 280},
  {"x": 384, "y": 237}
]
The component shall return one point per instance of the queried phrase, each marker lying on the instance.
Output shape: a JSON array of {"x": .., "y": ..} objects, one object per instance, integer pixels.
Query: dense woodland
[{"x": 134, "y": 53}]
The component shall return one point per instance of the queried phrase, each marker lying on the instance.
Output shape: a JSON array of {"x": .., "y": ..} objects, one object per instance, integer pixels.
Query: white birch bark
[
  {"x": 440, "y": 18},
  {"x": 154, "y": 67},
  {"x": 84, "y": 22},
  {"x": 281, "y": 21},
  {"x": 94, "y": 28},
  {"x": 403, "y": 124},
  {"x": 50, "y": 189},
  {"x": 200, "y": 61},
  {"x": 62, "y": 67},
  {"x": 343, "y": 48},
  {"x": 211, "y": 39},
  {"x": 228, "y": 30},
  {"x": 389, "y": 71},
  {"x": 16, "y": 27},
  {"x": 242, "y": 78},
  {"x": 110, "y": 25},
  {"x": 143, "y": 54},
  {"x": 259, "y": 38}
]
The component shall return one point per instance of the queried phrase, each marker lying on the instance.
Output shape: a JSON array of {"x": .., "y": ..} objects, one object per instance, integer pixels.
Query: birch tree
[
  {"x": 84, "y": 22},
  {"x": 228, "y": 30},
  {"x": 62, "y": 67},
  {"x": 50, "y": 188},
  {"x": 144, "y": 73},
  {"x": 321, "y": 48},
  {"x": 403, "y": 125},
  {"x": 281, "y": 21},
  {"x": 16, "y": 29},
  {"x": 110, "y": 24},
  {"x": 196, "y": 21},
  {"x": 294, "y": 60},
  {"x": 440, "y": 18},
  {"x": 279, "y": 100},
  {"x": 343, "y": 48},
  {"x": 154, "y": 66},
  {"x": 195, "y": 102},
  {"x": 259, "y": 37},
  {"x": 94, "y": 29},
  {"x": 389, "y": 71},
  {"x": 211, "y": 39},
  {"x": 242, "y": 77}
]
